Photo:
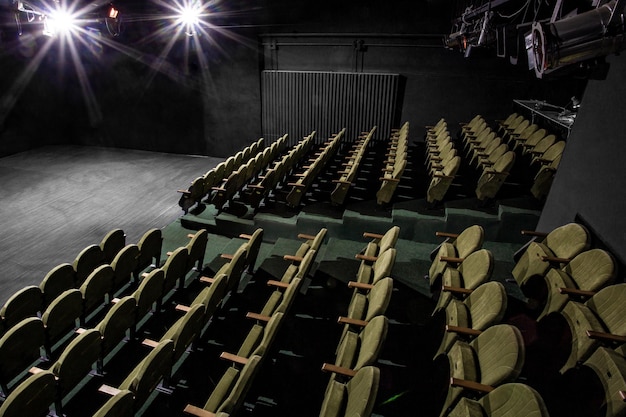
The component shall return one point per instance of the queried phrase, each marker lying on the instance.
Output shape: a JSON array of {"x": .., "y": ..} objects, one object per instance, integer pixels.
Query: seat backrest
[
  {"x": 235, "y": 268},
  {"x": 238, "y": 392},
  {"x": 185, "y": 330},
  {"x": 261, "y": 337},
  {"x": 120, "y": 405},
  {"x": 20, "y": 347},
  {"x": 124, "y": 264},
  {"x": 252, "y": 248},
  {"x": 513, "y": 400},
  {"x": 362, "y": 390},
  {"x": 553, "y": 151},
  {"x": 469, "y": 240},
  {"x": 568, "y": 240},
  {"x": 150, "y": 248},
  {"x": 610, "y": 368},
  {"x": 372, "y": 338},
  {"x": 592, "y": 269},
  {"x": 306, "y": 264},
  {"x": 116, "y": 322},
  {"x": 144, "y": 378},
  {"x": 500, "y": 354},
  {"x": 61, "y": 315},
  {"x": 476, "y": 268},
  {"x": 27, "y": 302},
  {"x": 378, "y": 299},
  {"x": 86, "y": 261},
  {"x": 315, "y": 243},
  {"x": 149, "y": 291},
  {"x": 383, "y": 266},
  {"x": 32, "y": 397},
  {"x": 112, "y": 243},
  {"x": 608, "y": 304},
  {"x": 196, "y": 249},
  {"x": 487, "y": 305},
  {"x": 175, "y": 268},
  {"x": 389, "y": 239},
  {"x": 211, "y": 297},
  {"x": 97, "y": 285},
  {"x": 77, "y": 359},
  {"x": 60, "y": 278}
]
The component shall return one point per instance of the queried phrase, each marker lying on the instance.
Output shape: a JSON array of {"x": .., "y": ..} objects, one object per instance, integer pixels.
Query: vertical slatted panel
[{"x": 298, "y": 102}]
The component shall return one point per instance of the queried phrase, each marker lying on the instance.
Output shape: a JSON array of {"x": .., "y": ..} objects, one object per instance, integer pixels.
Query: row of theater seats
[
  {"x": 570, "y": 279},
  {"x": 230, "y": 391},
  {"x": 312, "y": 170},
  {"x": 276, "y": 174},
  {"x": 34, "y": 395},
  {"x": 537, "y": 145},
  {"x": 394, "y": 165},
  {"x": 350, "y": 168},
  {"x": 221, "y": 182},
  {"x": 441, "y": 160}
]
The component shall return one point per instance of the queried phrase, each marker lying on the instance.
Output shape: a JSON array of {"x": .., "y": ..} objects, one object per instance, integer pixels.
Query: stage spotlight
[
  {"x": 59, "y": 22},
  {"x": 593, "y": 34},
  {"x": 189, "y": 16}
]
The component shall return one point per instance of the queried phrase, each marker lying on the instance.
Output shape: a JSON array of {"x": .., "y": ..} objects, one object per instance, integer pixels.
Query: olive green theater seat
[
  {"x": 119, "y": 405},
  {"x": 19, "y": 348},
  {"x": 355, "y": 397},
  {"x": 456, "y": 246},
  {"x": 111, "y": 244},
  {"x": 31, "y": 398}
]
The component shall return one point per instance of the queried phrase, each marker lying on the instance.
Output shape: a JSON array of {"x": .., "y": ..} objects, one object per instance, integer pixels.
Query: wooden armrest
[
  {"x": 456, "y": 290},
  {"x": 446, "y": 234},
  {"x": 186, "y": 192},
  {"x": 575, "y": 291},
  {"x": 327, "y": 367},
  {"x": 472, "y": 385},
  {"x": 300, "y": 175},
  {"x": 622, "y": 395},
  {"x": 366, "y": 258},
  {"x": 372, "y": 235},
  {"x": 533, "y": 233},
  {"x": 355, "y": 322},
  {"x": 607, "y": 337},
  {"x": 293, "y": 258},
  {"x": 150, "y": 343},
  {"x": 107, "y": 389},
  {"x": 256, "y": 186},
  {"x": 443, "y": 176},
  {"x": 169, "y": 253},
  {"x": 144, "y": 275},
  {"x": 207, "y": 280},
  {"x": 279, "y": 284},
  {"x": 233, "y": 358},
  {"x": 554, "y": 259},
  {"x": 389, "y": 179},
  {"x": 80, "y": 330},
  {"x": 342, "y": 182},
  {"x": 115, "y": 300},
  {"x": 360, "y": 285},
  {"x": 450, "y": 259},
  {"x": 35, "y": 370},
  {"x": 462, "y": 330},
  {"x": 197, "y": 411},
  {"x": 227, "y": 256},
  {"x": 257, "y": 316},
  {"x": 306, "y": 236},
  {"x": 182, "y": 307},
  {"x": 245, "y": 236},
  {"x": 218, "y": 188},
  {"x": 190, "y": 235},
  {"x": 295, "y": 184}
]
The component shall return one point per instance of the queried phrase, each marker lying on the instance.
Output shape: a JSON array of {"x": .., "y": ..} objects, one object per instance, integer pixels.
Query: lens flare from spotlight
[
  {"x": 59, "y": 22},
  {"x": 189, "y": 17}
]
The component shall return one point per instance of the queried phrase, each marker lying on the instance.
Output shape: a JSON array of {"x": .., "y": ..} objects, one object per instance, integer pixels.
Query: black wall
[{"x": 591, "y": 179}]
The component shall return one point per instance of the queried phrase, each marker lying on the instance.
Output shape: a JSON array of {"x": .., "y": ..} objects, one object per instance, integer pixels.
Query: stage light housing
[{"x": 593, "y": 34}]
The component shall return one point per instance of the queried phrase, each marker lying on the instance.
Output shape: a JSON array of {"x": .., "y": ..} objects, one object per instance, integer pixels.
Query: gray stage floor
[{"x": 58, "y": 200}]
